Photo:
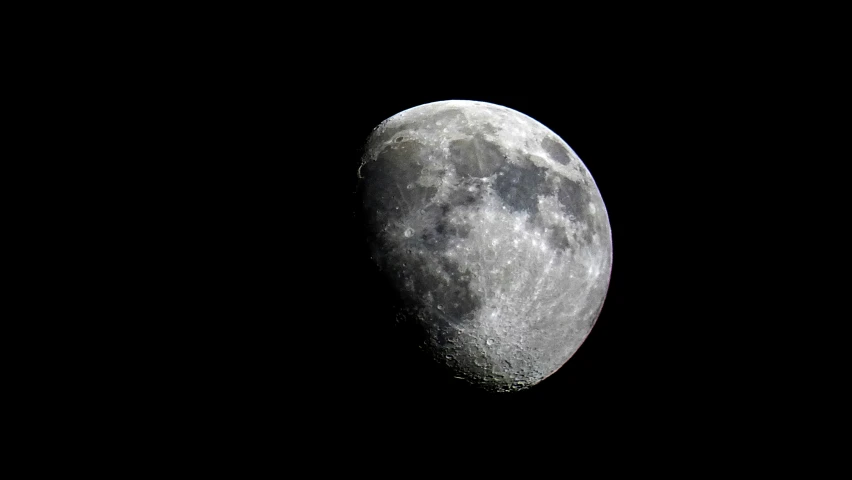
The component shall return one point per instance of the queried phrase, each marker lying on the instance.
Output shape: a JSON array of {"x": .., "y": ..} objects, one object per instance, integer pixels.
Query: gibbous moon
[{"x": 492, "y": 233}]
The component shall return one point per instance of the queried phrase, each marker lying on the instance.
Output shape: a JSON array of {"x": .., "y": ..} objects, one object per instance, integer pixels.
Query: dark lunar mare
[
  {"x": 516, "y": 185},
  {"x": 476, "y": 157},
  {"x": 556, "y": 151}
]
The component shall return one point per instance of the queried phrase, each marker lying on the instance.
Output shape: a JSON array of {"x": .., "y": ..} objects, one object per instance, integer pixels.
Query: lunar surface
[{"x": 492, "y": 233}]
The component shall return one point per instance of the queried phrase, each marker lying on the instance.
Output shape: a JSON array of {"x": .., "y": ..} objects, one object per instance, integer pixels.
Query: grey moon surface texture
[{"x": 492, "y": 233}]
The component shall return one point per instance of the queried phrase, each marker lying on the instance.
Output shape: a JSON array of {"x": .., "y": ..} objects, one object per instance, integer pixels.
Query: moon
[{"x": 492, "y": 234}]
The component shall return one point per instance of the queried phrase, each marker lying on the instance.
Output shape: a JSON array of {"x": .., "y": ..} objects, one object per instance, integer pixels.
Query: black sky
[{"x": 266, "y": 310}]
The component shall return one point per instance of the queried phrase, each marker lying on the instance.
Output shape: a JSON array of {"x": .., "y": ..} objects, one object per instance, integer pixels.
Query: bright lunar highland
[{"x": 492, "y": 233}]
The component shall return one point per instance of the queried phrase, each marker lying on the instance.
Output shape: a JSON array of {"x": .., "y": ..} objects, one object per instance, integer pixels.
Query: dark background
[
  {"x": 259, "y": 309},
  {"x": 276, "y": 304},
  {"x": 219, "y": 294}
]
